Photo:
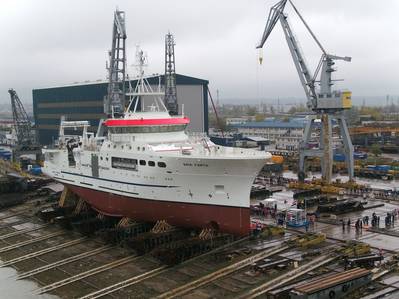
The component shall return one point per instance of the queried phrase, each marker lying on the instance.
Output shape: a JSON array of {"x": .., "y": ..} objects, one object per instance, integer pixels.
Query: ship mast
[{"x": 143, "y": 89}]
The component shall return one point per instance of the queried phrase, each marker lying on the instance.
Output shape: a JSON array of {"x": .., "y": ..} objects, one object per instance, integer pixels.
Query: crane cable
[{"x": 216, "y": 113}]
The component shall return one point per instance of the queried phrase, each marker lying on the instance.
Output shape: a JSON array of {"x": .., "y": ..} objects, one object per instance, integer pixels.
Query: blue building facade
[{"x": 85, "y": 102}]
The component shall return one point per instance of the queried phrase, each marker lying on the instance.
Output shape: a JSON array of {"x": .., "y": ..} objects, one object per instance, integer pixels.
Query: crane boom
[
  {"x": 22, "y": 123},
  {"x": 325, "y": 102},
  {"x": 277, "y": 14},
  {"x": 316, "y": 101}
]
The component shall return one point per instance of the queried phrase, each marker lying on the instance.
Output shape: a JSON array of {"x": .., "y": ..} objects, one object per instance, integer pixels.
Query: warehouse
[
  {"x": 85, "y": 102},
  {"x": 285, "y": 134}
]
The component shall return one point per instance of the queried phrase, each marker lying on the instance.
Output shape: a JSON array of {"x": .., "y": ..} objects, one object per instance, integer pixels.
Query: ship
[{"x": 143, "y": 164}]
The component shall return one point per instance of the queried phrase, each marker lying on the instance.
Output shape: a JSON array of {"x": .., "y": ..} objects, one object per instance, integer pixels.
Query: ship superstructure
[{"x": 145, "y": 166}]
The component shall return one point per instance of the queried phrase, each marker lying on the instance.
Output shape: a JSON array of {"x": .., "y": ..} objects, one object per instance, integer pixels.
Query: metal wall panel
[{"x": 85, "y": 101}]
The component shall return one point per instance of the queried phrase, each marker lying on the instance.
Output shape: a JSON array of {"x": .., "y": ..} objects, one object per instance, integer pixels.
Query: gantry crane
[
  {"x": 114, "y": 102},
  {"x": 170, "y": 76},
  {"x": 26, "y": 139},
  {"x": 326, "y": 103}
]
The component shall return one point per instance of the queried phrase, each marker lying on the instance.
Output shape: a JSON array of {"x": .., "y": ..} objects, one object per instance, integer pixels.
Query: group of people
[
  {"x": 262, "y": 210},
  {"x": 375, "y": 220},
  {"x": 360, "y": 222},
  {"x": 390, "y": 219}
]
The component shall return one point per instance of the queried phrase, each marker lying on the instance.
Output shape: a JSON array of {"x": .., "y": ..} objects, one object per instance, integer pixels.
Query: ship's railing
[{"x": 197, "y": 136}]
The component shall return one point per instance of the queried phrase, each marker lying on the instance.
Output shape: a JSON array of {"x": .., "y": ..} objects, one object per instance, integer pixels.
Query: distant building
[
  {"x": 232, "y": 121},
  {"x": 285, "y": 135},
  {"x": 85, "y": 102}
]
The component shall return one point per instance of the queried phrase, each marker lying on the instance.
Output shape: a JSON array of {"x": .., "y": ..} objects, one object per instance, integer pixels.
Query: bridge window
[
  {"x": 147, "y": 129},
  {"x": 124, "y": 163},
  {"x": 151, "y": 163},
  {"x": 142, "y": 162}
]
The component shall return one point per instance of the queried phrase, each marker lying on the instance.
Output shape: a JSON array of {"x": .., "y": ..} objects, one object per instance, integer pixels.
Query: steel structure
[
  {"x": 114, "y": 102},
  {"x": 326, "y": 103},
  {"x": 26, "y": 138},
  {"x": 170, "y": 76},
  {"x": 22, "y": 124}
]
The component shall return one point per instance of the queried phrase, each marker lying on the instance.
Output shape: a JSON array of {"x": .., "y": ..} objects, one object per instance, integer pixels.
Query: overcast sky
[{"x": 49, "y": 43}]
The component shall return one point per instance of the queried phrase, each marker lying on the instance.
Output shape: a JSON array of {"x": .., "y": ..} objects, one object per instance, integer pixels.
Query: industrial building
[
  {"x": 285, "y": 135},
  {"x": 86, "y": 102}
]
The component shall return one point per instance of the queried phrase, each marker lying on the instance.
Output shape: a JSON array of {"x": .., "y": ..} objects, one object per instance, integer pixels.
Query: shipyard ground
[{"x": 67, "y": 264}]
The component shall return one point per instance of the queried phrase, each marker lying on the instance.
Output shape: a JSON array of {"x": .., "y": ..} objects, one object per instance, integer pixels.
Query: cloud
[{"x": 49, "y": 43}]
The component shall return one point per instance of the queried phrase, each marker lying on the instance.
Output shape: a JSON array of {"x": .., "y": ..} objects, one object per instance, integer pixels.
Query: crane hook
[{"x": 260, "y": 56}]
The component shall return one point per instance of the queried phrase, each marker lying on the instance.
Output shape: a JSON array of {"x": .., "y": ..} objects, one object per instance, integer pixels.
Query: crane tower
[
  {"x": 327, "y": 104},
  {"x": 170, "y": 76},
  {"x": 26, "y": 139},
  {"x": 114, "y": 102}
]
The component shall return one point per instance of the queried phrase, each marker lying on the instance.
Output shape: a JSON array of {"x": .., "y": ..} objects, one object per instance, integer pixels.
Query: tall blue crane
[{"x": 326, "y": 103}]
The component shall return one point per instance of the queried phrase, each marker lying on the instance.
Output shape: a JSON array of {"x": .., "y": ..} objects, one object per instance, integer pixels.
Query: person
[
  {"x": 378, "y": 221},
  {"x": 349, "y": 223},
  {"x": 258, "y": 228},
  {"x": 361, "y": 224},
  {"x": 343, "y": 224}
]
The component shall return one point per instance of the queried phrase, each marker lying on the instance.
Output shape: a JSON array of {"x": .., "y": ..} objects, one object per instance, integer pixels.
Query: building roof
[
  {"x": 152, "y": 79},
  {"x": 255, "y": 138},
  {"x": 273, "y": 124}
]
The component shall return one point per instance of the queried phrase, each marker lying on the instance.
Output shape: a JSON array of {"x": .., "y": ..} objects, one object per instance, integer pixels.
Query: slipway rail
[
  {"x": 22, "y": 231},
  {"x": 136, "y": 279},
  {"x": 64, "y": 262},
  {"x": 88, "y": 273},
  {"x": 125, "y": 283},
  {"x": 41, "y": 252},
  {"x": 31, "y": 241},
  {"x": 288, "y": 277},
  {"x": 184, "y": 289}
]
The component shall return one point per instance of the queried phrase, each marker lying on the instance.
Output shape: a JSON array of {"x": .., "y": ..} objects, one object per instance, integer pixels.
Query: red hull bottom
[{"x": 233, "y": 220}]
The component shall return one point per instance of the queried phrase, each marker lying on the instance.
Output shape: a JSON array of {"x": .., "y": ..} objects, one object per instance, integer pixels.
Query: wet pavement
[{"x": 332, "y": 227}]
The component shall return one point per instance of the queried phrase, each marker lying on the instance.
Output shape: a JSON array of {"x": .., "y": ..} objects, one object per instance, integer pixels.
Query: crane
[
  {"x": 26, "y": 139},
  {"x": 114, "y": 101},
  {"x": 326, "y": 103},
  {"x": 170, "y": 76}
]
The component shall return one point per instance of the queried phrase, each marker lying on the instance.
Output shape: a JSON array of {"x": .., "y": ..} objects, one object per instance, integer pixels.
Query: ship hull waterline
[{"x": 227, "y": 219}]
